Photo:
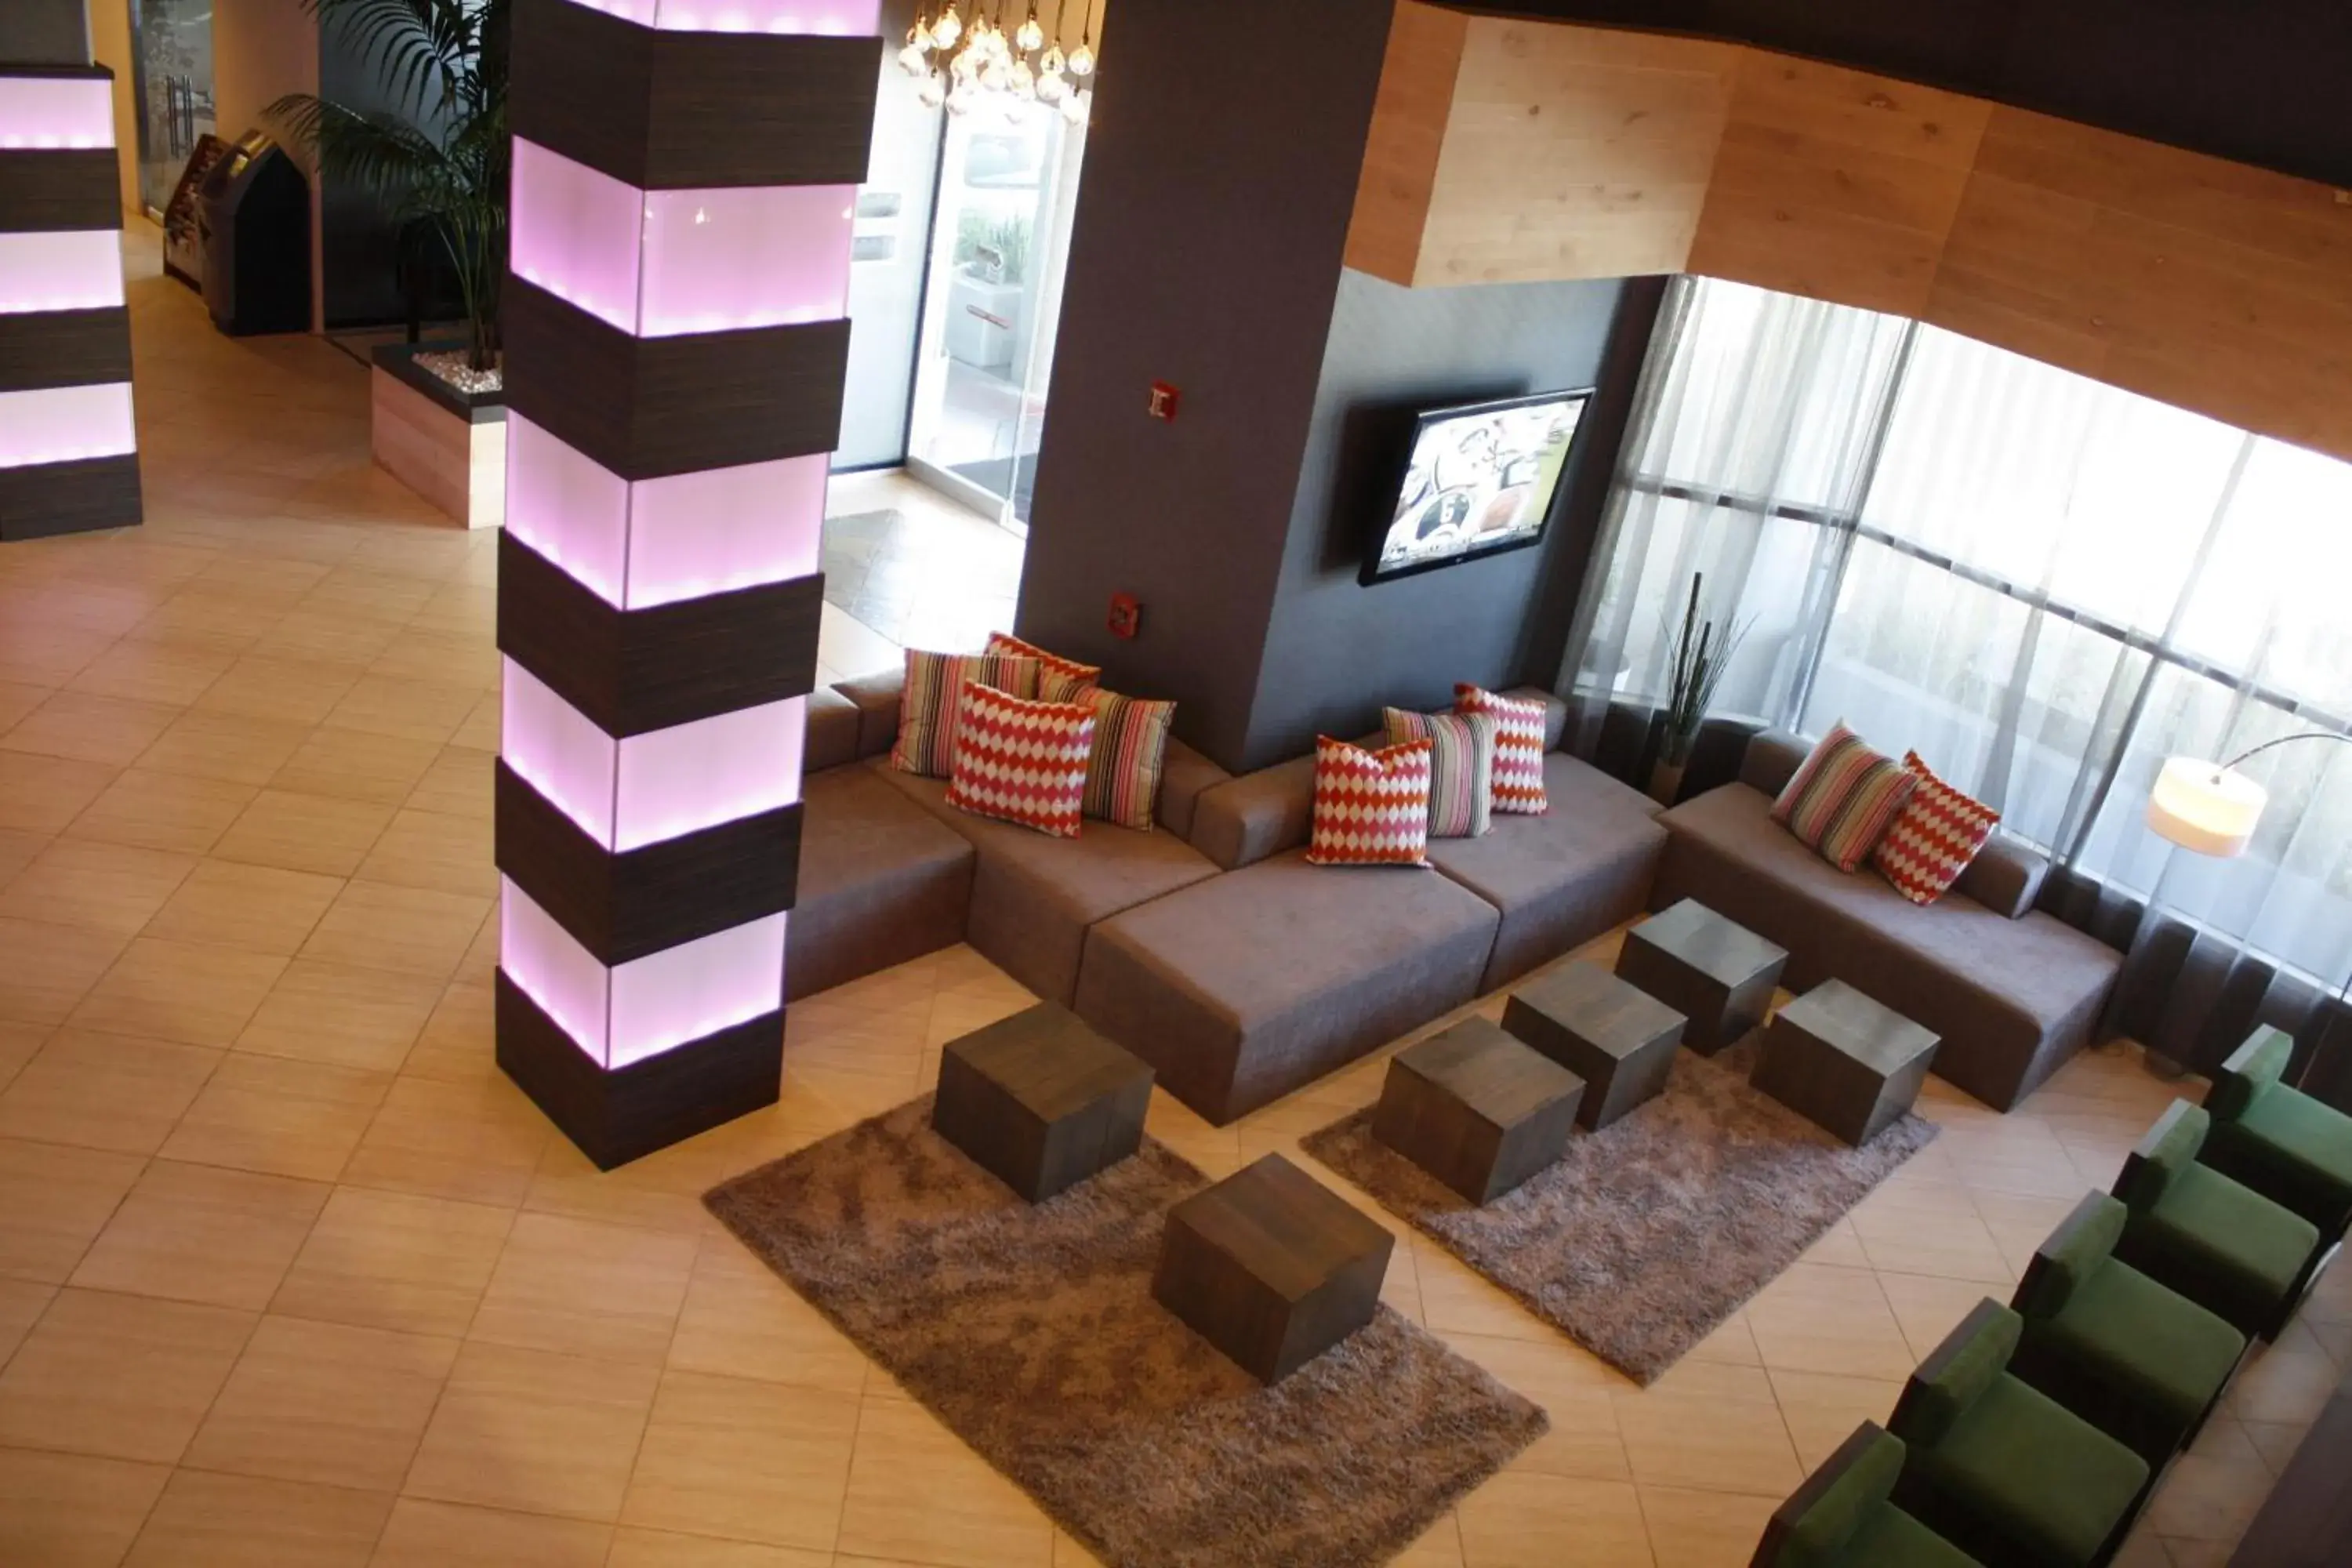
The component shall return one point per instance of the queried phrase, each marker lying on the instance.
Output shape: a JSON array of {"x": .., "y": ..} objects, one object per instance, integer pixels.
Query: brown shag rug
[
  {"x": 1032, "y": 1332},
  {"x": 1650, "y": 1232}
]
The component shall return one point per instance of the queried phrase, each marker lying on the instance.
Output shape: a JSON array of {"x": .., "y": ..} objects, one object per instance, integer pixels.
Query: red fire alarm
[
  {"x": 1126, "y": 615},
  {"x": 1163, "y": 401}
]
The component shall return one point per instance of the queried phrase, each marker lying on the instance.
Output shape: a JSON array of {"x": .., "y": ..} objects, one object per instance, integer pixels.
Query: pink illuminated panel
[
  {"x": 844, "y": 18},
  {"x": 661, "y": 540},
  {"x": 56, "y": 111},
  {"x": 574, "y": 233},
  {"x": 674, "y": 782},
  {"x": 60, "y": 423},
  {"x": 759, "y": 257},
  {"x": 569, "y": 509},
  {"x": 61, "y": 271},
  {"x": 664, "y": 785},
  {"x": 662, "y": 263},
  {"x": 559, "y": 752},
  {"x": 650, "y": 1006}
]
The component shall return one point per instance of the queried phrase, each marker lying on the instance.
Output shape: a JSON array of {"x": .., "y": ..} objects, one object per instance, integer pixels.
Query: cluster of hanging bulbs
[{"x": 967, "y": 64}]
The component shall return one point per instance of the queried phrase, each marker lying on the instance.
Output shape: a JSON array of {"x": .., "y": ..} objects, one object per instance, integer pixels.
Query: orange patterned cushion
[
  {"x": 1842, "y": 798},
  {"x": 1372, "y": 809},
  {"x": 1933, "y": 839},
  {"x": 1021, "y": 762},
  {"x": 1130, "y": 750},
  {"x": 1059, "y": 679},
  {"x": 1518, "y": 748}
]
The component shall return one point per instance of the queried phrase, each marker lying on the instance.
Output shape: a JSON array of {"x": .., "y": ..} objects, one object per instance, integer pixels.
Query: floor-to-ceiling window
[{"x": 2044, "y": 584}]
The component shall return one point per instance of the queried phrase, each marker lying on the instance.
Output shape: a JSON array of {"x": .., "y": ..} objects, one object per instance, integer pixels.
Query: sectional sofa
[{"x": 1210, "y": 948}]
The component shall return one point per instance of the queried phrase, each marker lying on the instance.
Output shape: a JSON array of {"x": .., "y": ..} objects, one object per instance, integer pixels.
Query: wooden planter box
[{"x": 447, "y": 446}]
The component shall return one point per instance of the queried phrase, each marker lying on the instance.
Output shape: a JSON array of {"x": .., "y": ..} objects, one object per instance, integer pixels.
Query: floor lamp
[{"x": 2213, "y": 809}]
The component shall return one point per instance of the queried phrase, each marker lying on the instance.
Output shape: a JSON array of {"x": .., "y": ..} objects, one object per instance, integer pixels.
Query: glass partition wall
[
  {"x": 171, "y": 58},
  {"x": 2044, "y": 584},
  {"x": 1000, "y": 244}
]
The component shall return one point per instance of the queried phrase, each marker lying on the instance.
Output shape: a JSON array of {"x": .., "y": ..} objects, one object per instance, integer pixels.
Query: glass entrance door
[
  {"x": 172, "y": 62},
  {"x": 999, "y": 246}
]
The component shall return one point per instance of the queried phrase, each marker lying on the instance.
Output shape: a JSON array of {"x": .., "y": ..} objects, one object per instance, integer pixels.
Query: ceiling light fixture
[{"x": 979, "y": 63}]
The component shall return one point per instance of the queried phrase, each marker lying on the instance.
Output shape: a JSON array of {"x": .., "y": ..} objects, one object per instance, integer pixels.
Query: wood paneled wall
[{"x": 1514, "y": 150}]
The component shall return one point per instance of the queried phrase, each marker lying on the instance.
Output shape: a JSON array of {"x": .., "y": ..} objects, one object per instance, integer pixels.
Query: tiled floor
[{"x": 289, "y": 1275}]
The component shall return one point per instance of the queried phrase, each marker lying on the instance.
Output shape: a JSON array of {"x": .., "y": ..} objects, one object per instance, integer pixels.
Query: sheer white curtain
[
  {"x": 2044, "y": 584},
  {"x": 1720, "y": 482}
]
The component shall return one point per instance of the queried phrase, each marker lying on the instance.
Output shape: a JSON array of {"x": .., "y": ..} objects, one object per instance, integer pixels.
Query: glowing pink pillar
[{"x": 675, "y": 340}]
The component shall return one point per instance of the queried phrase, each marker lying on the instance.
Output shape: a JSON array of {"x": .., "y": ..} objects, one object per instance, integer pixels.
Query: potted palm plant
[
  {"x": 439, "y": 159},
  {"x": 1702, "y": 651}
]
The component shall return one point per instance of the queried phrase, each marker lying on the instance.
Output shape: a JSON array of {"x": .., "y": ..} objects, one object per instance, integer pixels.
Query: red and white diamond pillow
[
  {"x": 1020, "y": 761},
  {"x": 1518, "y": 748},
  {"x": 1372, "y": 809},
  {"x": 1933, "y": 837}
]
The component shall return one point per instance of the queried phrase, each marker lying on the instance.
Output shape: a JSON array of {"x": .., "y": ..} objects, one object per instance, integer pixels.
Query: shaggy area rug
[
  {"x": 1650, "y": 1232},
  {"x": 1032, "y": 1332}
]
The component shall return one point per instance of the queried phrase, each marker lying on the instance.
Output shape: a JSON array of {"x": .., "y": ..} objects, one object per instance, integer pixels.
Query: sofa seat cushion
[
  {"x": 1886, "y": 1537},
  {"x": 1033, "y": 897},
  {"x": 2223, "y": 1245},
  {"x": 2297, "y": 1150},
  {"x": 1242, "y": 988},
  {"x": 2051, "y": 1483},
  {"x": 2011, "y": 998},
  {"x": 1562, "y": 879},
  {"x": 881, "y": 882},
  {"x": 2146, "y": 1343}
]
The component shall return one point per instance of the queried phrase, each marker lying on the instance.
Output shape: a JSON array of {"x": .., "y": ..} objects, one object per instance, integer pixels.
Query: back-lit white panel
[
  {"x": 62, "y": 424},
  {"x": 56, "y": 111},
  {"x": 65, "y": 270}
]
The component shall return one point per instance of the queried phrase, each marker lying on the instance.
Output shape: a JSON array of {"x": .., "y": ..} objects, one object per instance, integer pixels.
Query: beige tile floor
[{"x": 289, "y": 1275}]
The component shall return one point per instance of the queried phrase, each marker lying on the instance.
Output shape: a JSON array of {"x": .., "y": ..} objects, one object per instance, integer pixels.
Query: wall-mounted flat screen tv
[{"x": 1482, "y": 479}]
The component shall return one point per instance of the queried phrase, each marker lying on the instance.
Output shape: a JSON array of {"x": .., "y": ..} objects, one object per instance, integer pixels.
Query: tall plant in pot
[
  {"x": 440, "y": 155},
  {"x": 1702, "y": 652}
]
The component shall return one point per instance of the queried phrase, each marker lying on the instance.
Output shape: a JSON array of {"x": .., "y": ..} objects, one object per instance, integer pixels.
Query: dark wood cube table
[
  {"x": 1271, "y": 1268},
  {"x": 1040, "y": 1100},
  {"x": 1715, "y": 972},
  {"x": 1843, "y": 1061},
  {"x": 1477, "y": 1108},
  {"x": 1613, "y": 1035}
]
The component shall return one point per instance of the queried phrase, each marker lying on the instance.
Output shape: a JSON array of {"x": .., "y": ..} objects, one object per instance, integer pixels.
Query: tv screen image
[{"x": 1481, "y": 479}]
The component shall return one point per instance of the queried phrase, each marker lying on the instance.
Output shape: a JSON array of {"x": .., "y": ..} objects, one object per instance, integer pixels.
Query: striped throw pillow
[
  {"x": 1059, "y": 679},
  {"x": 1130, "y": 747},
  {"x": 1461, "y": 766},
  {"x": 1933, "y": 837},
  {"x": 1518, "y": 748},
  {"x": 1372, "y": 809},
  {"x": 1020, "y": 761},
  {"x": 1842, "y": 797},
  {"x": 928, "y": 710}
]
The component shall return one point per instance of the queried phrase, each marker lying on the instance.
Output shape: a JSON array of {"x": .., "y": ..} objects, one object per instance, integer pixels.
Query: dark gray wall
[
  {"x": 1220, "y": 175},
  {"x": 1336, "y": 651},
  {"x": 44, "y": 33}
]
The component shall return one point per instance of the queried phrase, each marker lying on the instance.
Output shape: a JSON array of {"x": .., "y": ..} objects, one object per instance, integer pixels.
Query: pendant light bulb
[
  {"x": 912, "y": 61},
  {"x": 948, "y": 28},
  {"x": 1081, "y": 60},
  {"x": 933, "y": 92},
  {"x": 1079, "y": 107},
  {"x": 1031, "y": 37},
  {"x": 1025, "y": 81},
  {"x": 1051, "y": 88}
]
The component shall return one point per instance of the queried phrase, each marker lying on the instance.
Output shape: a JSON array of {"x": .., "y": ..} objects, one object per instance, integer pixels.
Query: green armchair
[
  {"x": 2001, "y": 1469},
  {"x": 2138, "y": 1361},
  {"x": 2217, "y": 1241},
  {"x": 1844, "y": 1516},
  {"x": 2277, "y": 1140}
]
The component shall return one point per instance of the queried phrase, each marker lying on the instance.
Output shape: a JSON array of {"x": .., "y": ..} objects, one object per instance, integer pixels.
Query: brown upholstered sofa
[
  {"x": 2013, "y": 992},
  {"x": 1210, "y": 948}
]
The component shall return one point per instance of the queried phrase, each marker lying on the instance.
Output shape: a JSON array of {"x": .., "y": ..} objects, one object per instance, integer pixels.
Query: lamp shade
[{"x": 2206, "y": 807}]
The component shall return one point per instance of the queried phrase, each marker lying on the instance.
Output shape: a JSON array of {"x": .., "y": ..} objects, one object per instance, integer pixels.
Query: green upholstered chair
[
  {"x": 2277, "y": 1140},
  {"x": 1844, "y": 1516},
  {"x": 2217, "y": 1241},
  {"x": 2000, "y": 1468},
  {"x": 2136, "y": 1359}
]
